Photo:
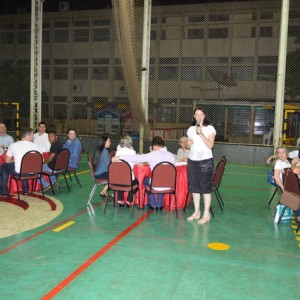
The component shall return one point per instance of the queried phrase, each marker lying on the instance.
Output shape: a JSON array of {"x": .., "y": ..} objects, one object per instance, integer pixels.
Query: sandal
[
  {"x": 204, "y": 220},
  {"x": 194, "y": 216},
  {"x": 103, "y": 195}
]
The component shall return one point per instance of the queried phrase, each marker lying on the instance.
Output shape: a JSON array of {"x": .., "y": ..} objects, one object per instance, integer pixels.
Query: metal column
[{"x": 36, "y": 62}]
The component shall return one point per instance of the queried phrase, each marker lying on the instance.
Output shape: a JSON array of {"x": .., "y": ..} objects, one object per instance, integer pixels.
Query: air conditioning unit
[
  {"x": 64, "y": 6},
  {"x": 123, "y": 90},
  {"x": 77, "y": 88}
]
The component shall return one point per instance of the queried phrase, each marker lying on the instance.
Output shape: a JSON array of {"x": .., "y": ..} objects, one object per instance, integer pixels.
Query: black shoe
[
  {"x": 151, "y": 207},
  {"x": 3, "y": 195},
  {"x": 160, "y": 208}
]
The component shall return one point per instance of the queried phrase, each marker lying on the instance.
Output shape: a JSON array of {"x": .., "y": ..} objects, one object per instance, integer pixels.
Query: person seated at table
[
  {"x": 291, "y": 155},
  {"x": 125, "y": 148},
  {"x": 74, "y": 146},
  {"x": 49, "y": 163},
  {"x": 281, "y": 164},
  {"x": 157, "y": 155},
  {"x": 183, "y": 151},
  {"x": 101, "y": 160},
  {"x": 13, "y": 160},
  {"x": 41, "y": 137},
  {"x": 5, "y": 139}
]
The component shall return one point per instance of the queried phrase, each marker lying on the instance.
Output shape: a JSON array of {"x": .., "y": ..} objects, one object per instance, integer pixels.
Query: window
[
  {"x": 266, "y": 15},
  {"x": 242, "y": 73},
  {"x": 101, "y": 34},
  {"x": 45, "y": 73},
  {"x": 61, "y": 36},
  {"x": 220, "y": 74},
  {"x": 24, "y": 37},
  {"x": 82, "y": 23},
  {"x": 60, "y": 72},
  {"x": 217, "y": 33},
  {"x": 62, "y": 99},
  {"x": 60, "y": 111},
  {"x": 104, "y": 22},
  {"x": 218, "y": 17},
  {"x": 268, "y": 59},
  {"x": 100, "y": 73},
  {"x": 195, "y": 33},
  {"x": 266, "y": 73},
  {"x": 118, "y": 73},
  {"x": 196, "y": 18},
  {"x": 265, "y": 31},
  {"x": 61, "y": 24},
  {"x": 100, "y": 61},
  {"x": 294, "y": 31},
  {"x": 191, "y": 73},
  {"x": 80, "y": 73},
  {"x": 81, "y": 35},
  {"x": 168, "y": 73},
  {"x": 7, "y": 38},
  {"x": 153, "y": 35}
]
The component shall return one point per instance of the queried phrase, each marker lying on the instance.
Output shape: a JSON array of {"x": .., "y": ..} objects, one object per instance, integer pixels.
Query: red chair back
[
  {"x": 164, "y": 175},
  {"x": 62, "y": 161},
  {"x": 32, "y": 163}
]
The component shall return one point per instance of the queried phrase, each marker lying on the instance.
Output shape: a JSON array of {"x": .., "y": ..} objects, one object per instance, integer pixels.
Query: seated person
[
  {"x": 157, "y": 155},
  {"x": 5, "y": 139},
  {"x": 183, "y": 151},
  {"x": 281, "y": 164},
  {"x": 291, "y": 155},
  {"x": 13, "y": 160},
  {"x": 101, "y": 160},
  {"x": 74, "y": 146},
  {"x": 41, "y": 137},
  {"x": 49, "y": 163},
  {"x": 125, "y": 148}
]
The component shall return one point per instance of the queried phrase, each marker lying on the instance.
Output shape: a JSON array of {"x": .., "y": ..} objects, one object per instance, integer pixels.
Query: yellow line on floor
[{"x": 63, "y": 226}]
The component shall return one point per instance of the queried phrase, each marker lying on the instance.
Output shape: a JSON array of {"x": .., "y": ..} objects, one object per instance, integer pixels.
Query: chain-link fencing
[{"x": 222, "y": 56}]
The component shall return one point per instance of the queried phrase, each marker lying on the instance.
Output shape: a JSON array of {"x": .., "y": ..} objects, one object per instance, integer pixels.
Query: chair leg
[
  {"x": 186, "y": 199},
  {"x": 219, "y": 201},
  {"x": 91, "y": 194},
  {"x": 75, "y": 175},
  {"x": 217, "y": 190},
  {"x": 175, "y": 202},
  {"x": 67, "y": 182},
  {"x": 273, "y": 195},
  {"x": 211, "y": 210},
  {"x": 70, "y": 176},
  {"x": 105, "y": 206}
]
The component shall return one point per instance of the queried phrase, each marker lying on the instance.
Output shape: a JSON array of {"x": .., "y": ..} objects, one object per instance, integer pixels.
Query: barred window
[
  {"x": 101, "y": 34},
  {"x": 217, "y": 33},
  {"x": 61, "y": 36},
  {"x": 100, "y": 73},
  {"x": 195, "y": 33},
  {"x": 60, "y": 72},
  {"x": 81, "y": 35}
]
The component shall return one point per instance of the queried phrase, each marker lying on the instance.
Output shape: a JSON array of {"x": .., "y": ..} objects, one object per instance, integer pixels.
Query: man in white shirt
[
  {"x": 41, "y": 137},
  {"x": 13, "y": 160}
]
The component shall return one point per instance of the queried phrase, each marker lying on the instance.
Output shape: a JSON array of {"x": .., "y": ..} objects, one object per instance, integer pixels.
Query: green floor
[{"x": 125, "y": 256}]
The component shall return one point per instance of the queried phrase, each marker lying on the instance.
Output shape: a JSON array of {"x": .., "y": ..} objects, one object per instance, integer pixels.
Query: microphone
[{"x": 198, "y": 124}]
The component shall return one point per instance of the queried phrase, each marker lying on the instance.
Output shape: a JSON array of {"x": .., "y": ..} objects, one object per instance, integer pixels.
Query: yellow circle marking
[{"x": 218, "y": 246}]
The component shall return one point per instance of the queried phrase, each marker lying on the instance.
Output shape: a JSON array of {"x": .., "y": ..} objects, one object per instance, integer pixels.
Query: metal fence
[{"x": 223, "y": 57}]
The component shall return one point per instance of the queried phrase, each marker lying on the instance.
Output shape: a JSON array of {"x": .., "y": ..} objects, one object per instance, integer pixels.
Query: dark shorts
[{"x": 200, "y": 174}]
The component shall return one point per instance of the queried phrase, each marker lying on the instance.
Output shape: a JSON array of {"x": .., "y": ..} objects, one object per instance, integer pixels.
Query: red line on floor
[
  {"x": 45, "y": 230},
  {"x": 92, "y": 259}
]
